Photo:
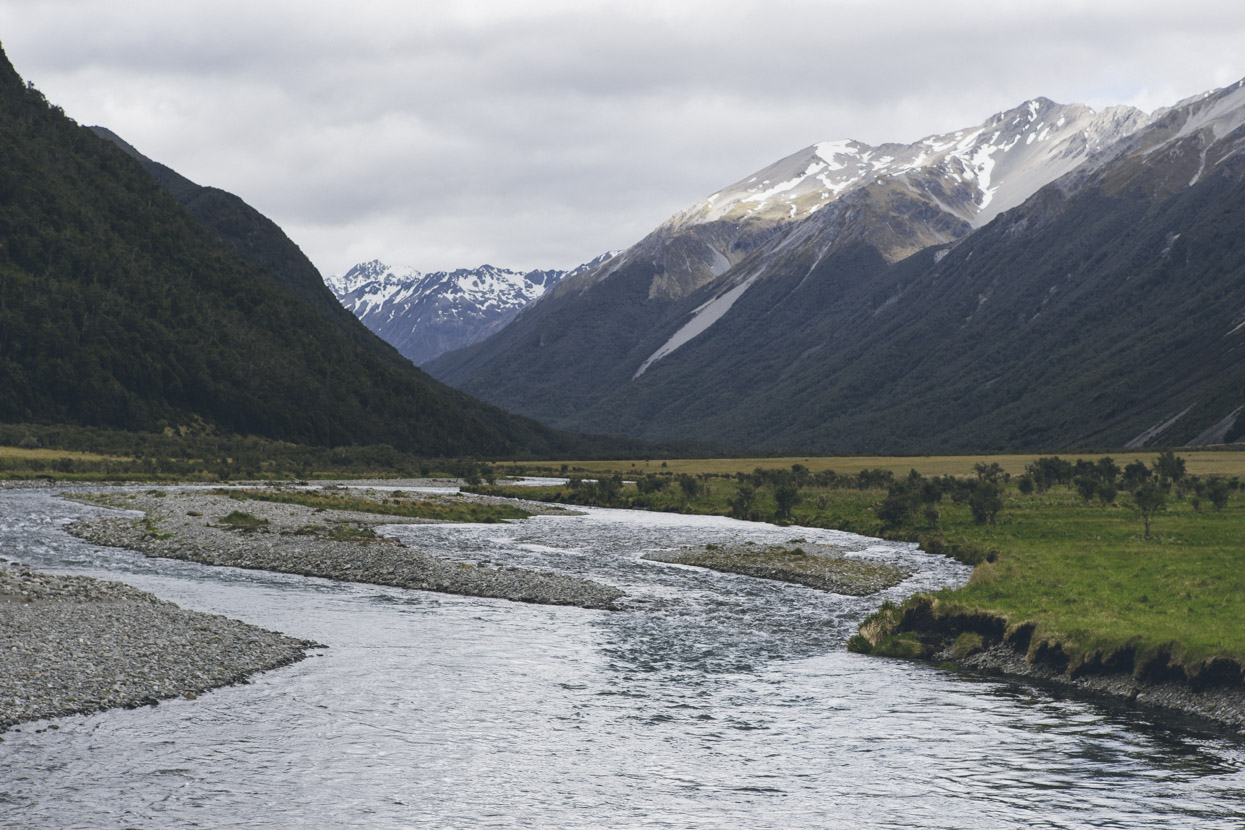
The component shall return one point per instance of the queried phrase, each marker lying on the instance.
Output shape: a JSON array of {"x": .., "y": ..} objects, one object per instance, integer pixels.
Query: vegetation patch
[
  {"x": 196, "y": 451},
  {"x": 824, "y": 570},
  {"x": 239, "y": 520},
  {"x": 387, "y": 504},
  {"x": 351, "y": 533},
  {"x": 153, "y": 530}
]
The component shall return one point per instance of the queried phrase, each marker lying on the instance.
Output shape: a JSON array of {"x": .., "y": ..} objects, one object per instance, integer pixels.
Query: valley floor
[{"x": 1068, "y": 590}]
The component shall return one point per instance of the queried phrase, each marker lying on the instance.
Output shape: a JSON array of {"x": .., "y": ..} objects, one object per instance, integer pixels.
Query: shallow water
[{"x": 713, "y": 700}]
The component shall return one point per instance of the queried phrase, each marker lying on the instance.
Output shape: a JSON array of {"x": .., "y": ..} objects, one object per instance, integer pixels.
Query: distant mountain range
[
  {"x": 133, "y": 298},
  {"x": 424, "y": 315},
  {"x": 1053, "y": 277}
]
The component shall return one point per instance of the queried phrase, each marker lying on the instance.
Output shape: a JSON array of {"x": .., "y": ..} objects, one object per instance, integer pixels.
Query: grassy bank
[
  {"x": 1079, "y": 587},
  {"x": 69, "y": 453},
  {"x": 1065, "y": 572}
]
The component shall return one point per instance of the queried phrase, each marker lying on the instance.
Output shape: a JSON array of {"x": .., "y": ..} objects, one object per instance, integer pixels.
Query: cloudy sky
[{"x": 543, "y": 132}]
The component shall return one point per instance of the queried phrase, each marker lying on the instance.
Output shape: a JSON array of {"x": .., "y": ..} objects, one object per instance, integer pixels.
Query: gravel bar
[
  {"x": 820, "y": 566},
  {"x": 333, "y": 544},
  {"x": 76, "y": 645}
]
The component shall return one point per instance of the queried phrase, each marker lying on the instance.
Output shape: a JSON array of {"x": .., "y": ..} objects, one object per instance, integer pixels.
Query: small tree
[
  {"x": 992, "y": 472},
  {"x": 1169, "y": 467},
  {"x": 651, "y": 484},
  {"x": 689, "y": 485},
  {"x": 786, "y": 497},
  {"x": 609, "y": 487},
  {"x": 1217, "y": 490},
  {"x": 1107, "y": 493},
  {"x": 745, "y": 498},
  {"x": 1086, "y": 486},
  {"x": 1108, "y": 471},
  {"x": 1150, "y": 499},
  {"x": 898, "y": 507},
  {"x": 1135, "y": 474},
  {"x": 801, "y": 474},
  {"x": 985, "y": 502}
]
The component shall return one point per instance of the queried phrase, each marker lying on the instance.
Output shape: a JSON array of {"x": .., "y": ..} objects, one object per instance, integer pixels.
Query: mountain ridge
[
  {"x": 424, "y": 315},
  {"x": 121, "y": 308},
  {"x": 800, "y": 345}
]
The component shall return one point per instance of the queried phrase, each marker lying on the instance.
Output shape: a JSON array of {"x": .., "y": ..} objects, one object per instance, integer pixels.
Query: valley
[{"x": 894, "y": 473}]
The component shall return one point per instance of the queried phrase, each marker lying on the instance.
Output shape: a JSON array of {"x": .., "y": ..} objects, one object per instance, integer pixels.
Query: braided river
[{"x": 710, "y": 700}]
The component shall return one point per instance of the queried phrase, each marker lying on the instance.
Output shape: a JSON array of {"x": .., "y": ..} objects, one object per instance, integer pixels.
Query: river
[{"x": 712, "y": 700}]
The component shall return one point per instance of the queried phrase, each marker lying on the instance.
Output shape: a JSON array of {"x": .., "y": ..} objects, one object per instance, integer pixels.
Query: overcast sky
[{"x": 539, "y": 133}]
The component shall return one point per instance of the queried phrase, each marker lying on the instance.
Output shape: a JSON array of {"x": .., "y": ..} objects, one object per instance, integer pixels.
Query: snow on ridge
[{"x": 1005, "y": 159}]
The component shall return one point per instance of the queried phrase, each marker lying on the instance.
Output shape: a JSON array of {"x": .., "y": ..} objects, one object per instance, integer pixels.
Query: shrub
[
  {"x": 985, "y": 502},
  {"x": 241, "y": 520}
]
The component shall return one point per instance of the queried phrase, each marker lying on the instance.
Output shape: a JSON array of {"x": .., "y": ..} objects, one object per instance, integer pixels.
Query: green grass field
[
  {"x": 1084, "y": 578},
  {"x": 1207, "y": 462},
  {"x": 1074, "y": 581}
]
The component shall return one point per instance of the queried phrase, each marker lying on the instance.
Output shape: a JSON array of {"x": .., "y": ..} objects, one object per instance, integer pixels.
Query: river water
[{"x": 712, "y": 700}]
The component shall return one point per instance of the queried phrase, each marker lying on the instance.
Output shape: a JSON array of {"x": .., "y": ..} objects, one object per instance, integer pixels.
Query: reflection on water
[{"x": 714, "y": 700}]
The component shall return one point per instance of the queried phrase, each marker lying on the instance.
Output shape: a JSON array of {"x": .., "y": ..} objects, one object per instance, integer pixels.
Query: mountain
[
  {"x": 250, "y": 234},
  {"x": 1051, "y": 278},
  {"x": 425, "y": 315},
  {"x": 121, "y": 308}
]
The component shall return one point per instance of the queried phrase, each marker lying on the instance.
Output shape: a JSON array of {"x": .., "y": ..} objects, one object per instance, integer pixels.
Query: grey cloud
[{"x": 542, "y": 134}]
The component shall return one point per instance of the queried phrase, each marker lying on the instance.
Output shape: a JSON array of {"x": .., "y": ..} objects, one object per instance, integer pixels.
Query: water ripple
[{"x": 714, "y": 701}]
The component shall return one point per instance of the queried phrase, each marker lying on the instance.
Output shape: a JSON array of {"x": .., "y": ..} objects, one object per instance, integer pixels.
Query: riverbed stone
[
  {"x": 78, "y": 645},
  {"x": 292, "y": 538}
]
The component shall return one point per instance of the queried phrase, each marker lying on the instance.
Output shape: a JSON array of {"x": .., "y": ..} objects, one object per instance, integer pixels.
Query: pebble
[
  {"x": 77, "y": 645},
  {"x": 187, "y": 525}
]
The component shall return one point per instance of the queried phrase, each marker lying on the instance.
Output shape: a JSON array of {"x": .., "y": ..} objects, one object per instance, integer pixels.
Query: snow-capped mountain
[
  {"x": 898, "y": 198},
  {"x": 973, "y": 173},
  {"x": 1053, "y": 276},
  {"x": 423, "y": 315}
]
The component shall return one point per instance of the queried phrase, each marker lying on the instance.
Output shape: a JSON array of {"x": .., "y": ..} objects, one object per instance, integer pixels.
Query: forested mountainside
[
  {"x": 119, "y": 308},
  {"x": 1104, "y": 308}
]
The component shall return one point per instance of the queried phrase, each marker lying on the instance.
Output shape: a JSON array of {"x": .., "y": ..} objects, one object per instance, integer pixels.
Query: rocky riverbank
[
  {"x": 214, "y": 529},
  {"x": 815, "y": 566},
  {"x": 77, "y": 645},
  {"x": 981, "y": 643},
  {"x": 1221, "y": 706}
]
